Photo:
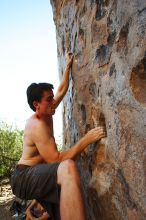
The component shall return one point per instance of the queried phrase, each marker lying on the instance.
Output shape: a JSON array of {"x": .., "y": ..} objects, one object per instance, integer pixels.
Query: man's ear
[{"x": 35, "y": 104}]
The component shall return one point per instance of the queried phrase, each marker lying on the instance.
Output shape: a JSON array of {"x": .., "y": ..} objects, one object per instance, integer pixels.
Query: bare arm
[
  {"x": 48, "y": 150},
  {"x": 63, "y": 87},
  {"x": 91, "y": 137}
]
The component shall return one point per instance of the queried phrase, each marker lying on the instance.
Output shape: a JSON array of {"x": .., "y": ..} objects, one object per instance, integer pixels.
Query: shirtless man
[{"x": 43, "y": 173}]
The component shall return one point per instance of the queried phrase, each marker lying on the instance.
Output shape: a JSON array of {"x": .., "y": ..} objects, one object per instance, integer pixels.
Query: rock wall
[{"x": 107, "y": 87}]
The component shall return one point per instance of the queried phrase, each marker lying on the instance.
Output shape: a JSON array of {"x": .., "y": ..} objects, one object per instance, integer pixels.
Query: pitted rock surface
[{"x": 108, "y": 88}]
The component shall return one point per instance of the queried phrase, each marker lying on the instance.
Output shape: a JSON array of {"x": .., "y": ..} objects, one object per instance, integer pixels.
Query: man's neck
[{"x": 45, "y": 118}]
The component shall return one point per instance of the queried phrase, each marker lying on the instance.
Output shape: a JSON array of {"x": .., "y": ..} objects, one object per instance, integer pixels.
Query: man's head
[{"x": 35, "y": 93}]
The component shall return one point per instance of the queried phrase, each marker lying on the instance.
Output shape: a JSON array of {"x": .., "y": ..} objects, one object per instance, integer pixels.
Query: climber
[{"x": 43, "y": 173}]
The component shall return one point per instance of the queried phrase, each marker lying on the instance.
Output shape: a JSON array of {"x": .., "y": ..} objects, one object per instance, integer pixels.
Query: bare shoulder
[
  {"x": 34, "y": 123},
  {"x": 38, "y": 126}
]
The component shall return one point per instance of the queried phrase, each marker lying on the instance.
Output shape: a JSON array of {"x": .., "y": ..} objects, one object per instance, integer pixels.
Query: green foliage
[{"x": 10, "y": 147}]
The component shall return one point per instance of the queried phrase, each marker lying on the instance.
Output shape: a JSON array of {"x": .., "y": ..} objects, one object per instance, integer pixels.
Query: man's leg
[{"x": 71, "y": 201}]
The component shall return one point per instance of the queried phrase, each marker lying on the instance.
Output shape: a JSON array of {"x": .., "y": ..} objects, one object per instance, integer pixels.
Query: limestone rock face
[{"x": 107, "y": 87}]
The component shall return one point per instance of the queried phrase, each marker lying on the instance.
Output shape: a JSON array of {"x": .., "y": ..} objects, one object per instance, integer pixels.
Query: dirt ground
[{"x": 6, "y": 199}]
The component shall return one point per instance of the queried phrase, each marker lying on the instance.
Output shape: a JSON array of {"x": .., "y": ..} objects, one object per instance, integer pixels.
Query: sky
[{"x": 28, "y": 53}]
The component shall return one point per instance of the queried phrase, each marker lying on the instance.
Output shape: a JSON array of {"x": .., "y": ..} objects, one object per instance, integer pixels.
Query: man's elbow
[
  {"x": 55, "y": 159},
  {"x": 59, "y": 157}
]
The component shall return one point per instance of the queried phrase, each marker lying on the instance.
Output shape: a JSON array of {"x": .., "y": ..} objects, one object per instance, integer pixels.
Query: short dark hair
[{"x": 35, "y": 92}]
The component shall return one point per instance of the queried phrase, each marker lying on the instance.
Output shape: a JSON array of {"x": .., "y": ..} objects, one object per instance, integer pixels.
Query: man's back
[{"x": 30, "y": 155}]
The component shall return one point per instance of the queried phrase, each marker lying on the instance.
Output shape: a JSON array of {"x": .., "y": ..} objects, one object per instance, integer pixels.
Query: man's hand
[
  {"x": 94, "y": 135},
  {"x": 89, "y": 138},
  {"x": 70, "y": 57}
]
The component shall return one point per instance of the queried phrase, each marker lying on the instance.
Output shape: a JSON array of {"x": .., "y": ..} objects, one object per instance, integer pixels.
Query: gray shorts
[{"x": 38, "y": 182}]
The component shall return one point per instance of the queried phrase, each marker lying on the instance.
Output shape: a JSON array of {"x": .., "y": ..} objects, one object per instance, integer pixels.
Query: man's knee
[
  {"x": 67, "y": 167},
  {"x": 67, "y": 170}
]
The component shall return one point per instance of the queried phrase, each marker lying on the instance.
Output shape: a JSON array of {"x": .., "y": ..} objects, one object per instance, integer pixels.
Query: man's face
[{"x": 47, "y": 103}]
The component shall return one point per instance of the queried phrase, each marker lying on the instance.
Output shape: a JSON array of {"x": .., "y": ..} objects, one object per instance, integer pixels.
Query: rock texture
[
  {"x": 6, "y": 200},
  {"x": 107, "y": 87}
]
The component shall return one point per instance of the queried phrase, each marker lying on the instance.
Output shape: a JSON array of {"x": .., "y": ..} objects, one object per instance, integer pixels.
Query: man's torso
[{"x": 30, "y": 155}]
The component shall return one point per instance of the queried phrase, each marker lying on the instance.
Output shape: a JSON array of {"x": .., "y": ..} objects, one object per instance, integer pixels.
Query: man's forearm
[
  {"x": 63, "y": 87},
  {"x": 74, "y": 151},
  {"x": 91, "y": 137},
  {"x": 65, "y": 81}
]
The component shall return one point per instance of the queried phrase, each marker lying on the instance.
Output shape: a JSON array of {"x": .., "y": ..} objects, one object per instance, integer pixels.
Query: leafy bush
[{"x": 10, "y": 147}]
